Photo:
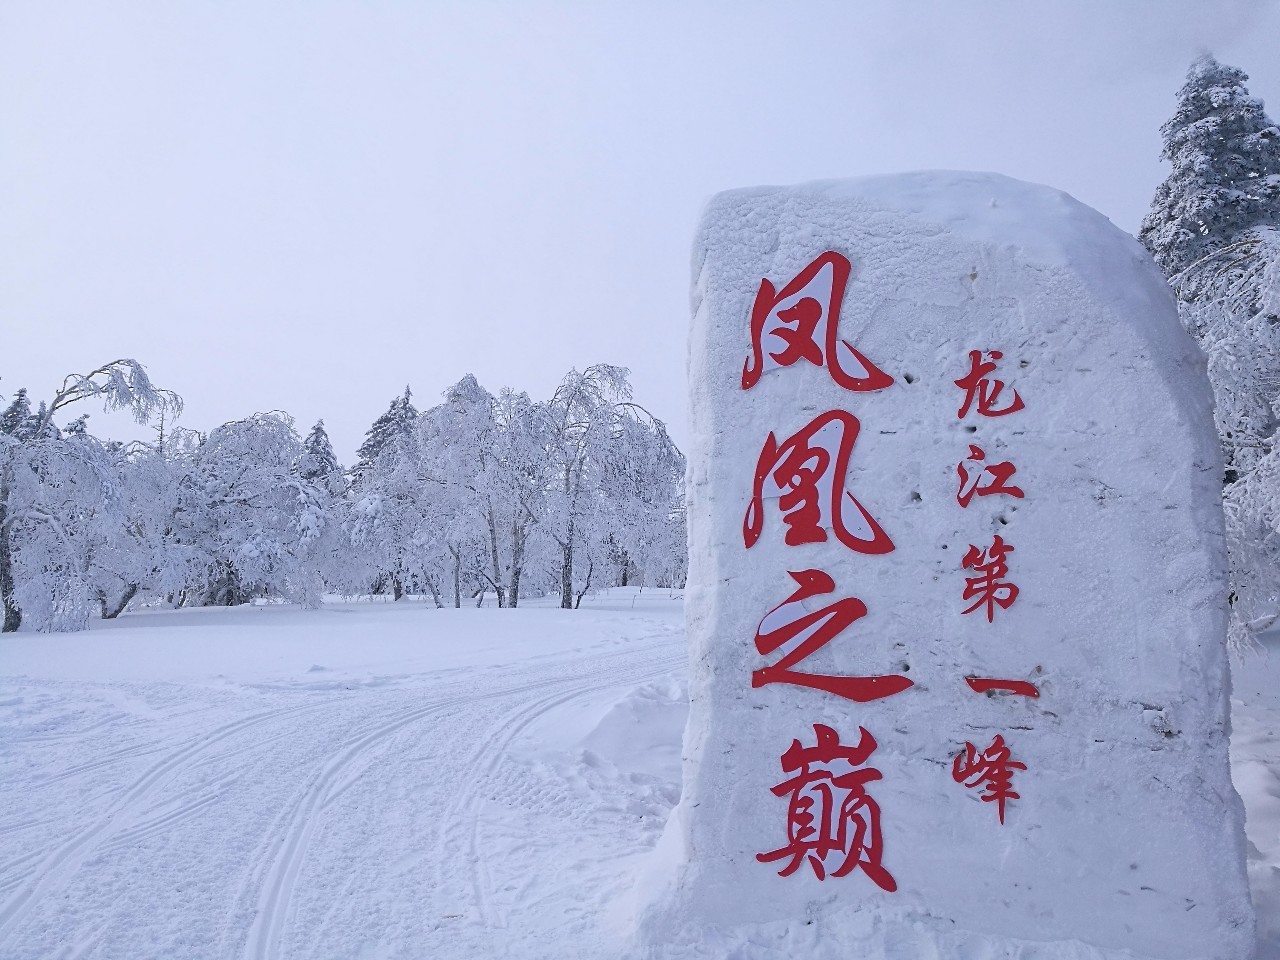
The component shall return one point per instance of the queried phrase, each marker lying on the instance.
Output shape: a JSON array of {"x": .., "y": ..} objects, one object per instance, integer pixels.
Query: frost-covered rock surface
[{"x": 1126, "y": 839}]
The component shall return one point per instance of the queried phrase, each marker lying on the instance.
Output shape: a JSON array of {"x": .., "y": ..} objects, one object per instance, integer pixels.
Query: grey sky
[{"x": 304, "y": 206}]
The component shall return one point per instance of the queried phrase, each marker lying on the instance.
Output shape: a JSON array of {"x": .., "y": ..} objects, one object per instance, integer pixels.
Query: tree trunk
[
  {"x": 457, "y": 576},
  {"x": 111, "y": 613},
  {"x": 517, "y": 563},
  {"x": 12, "y": 615},
  {"x": 566, "y": 561},
  {"x": 493, "y": 557},
  {"x": 397, "y": 588},
  {"x": 566, "y": 571},
  {"x": 435, "y": 592},
  {"x": 519, "y": 536},
  {"x": 586, "y": 586}
]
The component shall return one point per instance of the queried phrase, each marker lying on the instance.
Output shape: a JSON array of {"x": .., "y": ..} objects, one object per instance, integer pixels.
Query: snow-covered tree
[
  {"x": 1230, "y": 300},
  {"x": 16, "y": 415},
  {"x": 517, "y": 477},
  {"x": 1213, "y": 228},
  {"x": 615, "y": 481},
  {"x": 247, "y": 511},
  {"x": 391, "y": 427},
  {"x": 458, "y": 449},
  {"x": 392, "y": 520},
  {"x": 61, "y": 494},
  {"x": 1225, "y": 154},
  {"x": 126, "y": 548},
  {"x": 644, "y": 492},
  {"x": 583, "y": 410},
  {"x": 319, "y": 462}
]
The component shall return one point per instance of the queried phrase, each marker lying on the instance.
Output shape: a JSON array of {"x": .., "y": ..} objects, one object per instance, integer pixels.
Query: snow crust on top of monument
[
  {"x": 1042, "y": 224},
  {"x": 1125, "y": 836}
]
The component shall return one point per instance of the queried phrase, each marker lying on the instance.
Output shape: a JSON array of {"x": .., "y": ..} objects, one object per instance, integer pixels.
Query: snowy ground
[
  {"x": 1255, "y": 768},
  {"x": 376, "y": 781}
]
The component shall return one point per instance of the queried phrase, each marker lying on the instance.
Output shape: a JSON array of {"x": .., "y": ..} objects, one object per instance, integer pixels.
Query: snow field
[
  {"x": 366, "y": 781},
  {"x": 379, "y": 781}
]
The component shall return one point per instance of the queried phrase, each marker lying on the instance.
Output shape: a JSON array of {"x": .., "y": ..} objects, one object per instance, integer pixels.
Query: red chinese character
[
  {"x": 986, "y": 391},
  {"x": 801, "y": 320},
  {"x": 1019, "y": 688},
  {"x": 807, "y": 471},
  {"x": 791, "y": 621},
  {"x": 988, "y": 586},
  {"x": 984, "y": 479},
  {"x": 830, "y": 811},
  {"x": 992, "y": 769}
]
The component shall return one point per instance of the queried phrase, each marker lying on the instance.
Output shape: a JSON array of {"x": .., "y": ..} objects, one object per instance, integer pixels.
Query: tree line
[{"x": 480, "y": 494}]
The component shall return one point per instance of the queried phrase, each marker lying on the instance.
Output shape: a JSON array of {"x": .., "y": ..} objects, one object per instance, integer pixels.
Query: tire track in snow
[
  {"x": 115, "y": 756},
  {"x": 463, "y": 815},
  {"x": 275, "y": 896},
  {"x": 280, "y": 876},
  {"x": 60, "y": 865},
  {"x": 275, "y": 899}
]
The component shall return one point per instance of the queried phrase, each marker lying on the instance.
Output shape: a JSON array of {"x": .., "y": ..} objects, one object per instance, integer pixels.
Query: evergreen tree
[
  {"x": 318, "y": 460},
  {"x": 1214, "y": 229},
  {"x": 1225, "y": 180},
  {"x": 396, "y": 423},
  {"x": 17, "y": 413}
]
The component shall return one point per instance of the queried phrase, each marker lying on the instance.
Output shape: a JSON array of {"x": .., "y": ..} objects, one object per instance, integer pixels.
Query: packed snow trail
[{"x": 344, "y": 813}]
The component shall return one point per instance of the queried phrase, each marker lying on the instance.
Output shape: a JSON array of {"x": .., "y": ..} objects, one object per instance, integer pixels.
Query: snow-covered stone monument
[{"x": 956, "y": 596}]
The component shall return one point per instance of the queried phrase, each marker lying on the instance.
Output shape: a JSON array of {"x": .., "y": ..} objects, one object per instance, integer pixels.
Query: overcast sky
[{"x": 305, "y": 206}]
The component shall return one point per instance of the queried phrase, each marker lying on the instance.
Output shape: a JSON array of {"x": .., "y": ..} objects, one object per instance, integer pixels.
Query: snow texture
[
  {"x": 1127, "y": 839},
  {"x": 365, "y": 781}
]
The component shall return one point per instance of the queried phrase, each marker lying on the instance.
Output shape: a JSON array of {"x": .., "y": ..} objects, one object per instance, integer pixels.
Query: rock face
[{"x": 956, "y": 596}]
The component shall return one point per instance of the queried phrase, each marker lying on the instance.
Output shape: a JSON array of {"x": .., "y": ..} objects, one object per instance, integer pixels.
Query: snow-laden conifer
[
  {"x": 1225, "y": 154},
  {"x": 319, "y": 462},
  {"x": 392, "y": 426},
  {"x": 1214, "y": 228}
]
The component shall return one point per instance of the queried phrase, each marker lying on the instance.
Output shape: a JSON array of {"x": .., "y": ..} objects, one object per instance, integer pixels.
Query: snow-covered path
[{"x": 364, "y": 809}]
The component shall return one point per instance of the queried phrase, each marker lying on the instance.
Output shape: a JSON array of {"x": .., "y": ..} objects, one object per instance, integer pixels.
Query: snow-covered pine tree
[
  {"x": 396, "y": 423},
  {"x": 15, "y": 414},
  {"x": 1225, "y": 153},
  {"x": 318, "y": 459},
  {"x": 1214, "y": 228}
]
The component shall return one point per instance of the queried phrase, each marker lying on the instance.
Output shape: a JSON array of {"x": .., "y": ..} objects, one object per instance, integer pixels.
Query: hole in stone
[
  {"x": 910, "y": 378},
  {"x": 970, "y": 428},
  {"x": 915, "y": 496}
]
